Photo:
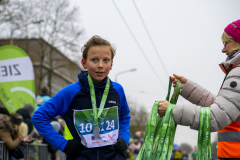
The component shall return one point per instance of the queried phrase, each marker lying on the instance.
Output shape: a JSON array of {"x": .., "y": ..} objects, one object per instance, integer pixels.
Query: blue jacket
[
  {"x": 77, "y": 97},
  {"x": 41, "y": 99}
]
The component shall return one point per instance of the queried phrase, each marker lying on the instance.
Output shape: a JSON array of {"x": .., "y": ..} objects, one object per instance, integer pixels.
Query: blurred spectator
[
  {"x": 135, "y": 146},
  {"x": 26, "y": 112},
  {"x": 138, "y": 135},
  {"x": 130, "y": 141},
  {"x": 62, "y": 122},
  {"x": 194, "y": 153},
  {"x": 9, "y": 130},
  {"x": 129, "y": 153},
  {"x": 177, "y": 155},
  {"x": 184, "y": 155},
  {"x": 23, "y": 129},
  {"x": 172, "y": 155},
  {"x": 34, "y": 135},
  {"x": 43, "y": 96},
  {"x": 3, "y": 110},
  {"x": 52, "y": 151}
]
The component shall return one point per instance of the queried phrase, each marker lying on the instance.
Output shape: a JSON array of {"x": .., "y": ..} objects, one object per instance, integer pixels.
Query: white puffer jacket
[{"x": 225, "y": 108}]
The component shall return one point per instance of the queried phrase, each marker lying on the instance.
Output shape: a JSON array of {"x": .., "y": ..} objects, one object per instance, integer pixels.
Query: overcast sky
[{"x": 187, "y": 35}]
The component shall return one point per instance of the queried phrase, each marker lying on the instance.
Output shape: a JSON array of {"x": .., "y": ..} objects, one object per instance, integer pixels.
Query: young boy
[{"x": 95, "y": 110}]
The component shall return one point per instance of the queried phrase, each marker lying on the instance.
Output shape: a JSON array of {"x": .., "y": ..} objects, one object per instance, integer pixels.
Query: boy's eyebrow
[{"x": 98, "y": 57}]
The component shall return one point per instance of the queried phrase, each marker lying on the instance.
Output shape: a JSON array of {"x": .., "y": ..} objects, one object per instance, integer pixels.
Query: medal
[{"x": 96, "y": 131}]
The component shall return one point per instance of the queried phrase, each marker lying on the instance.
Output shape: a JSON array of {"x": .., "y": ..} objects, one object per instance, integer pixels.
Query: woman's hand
[
  {"x": 27, "y": 139},
  {"x": 181, "y": 78},
  {"x": 162, "y": 107}
]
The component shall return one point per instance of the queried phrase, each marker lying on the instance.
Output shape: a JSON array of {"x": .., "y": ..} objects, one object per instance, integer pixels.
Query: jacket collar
[
  {"x": 235, "y": 61},
  {"x": 83, "y": 81}
]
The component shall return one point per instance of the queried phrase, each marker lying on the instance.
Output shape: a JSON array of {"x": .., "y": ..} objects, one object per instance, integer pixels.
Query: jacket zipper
[
  {"x": 99, "y": 97},
  {"x": 228, "y": 70},
  {"x": 224, "y": 67},
  {"x": 98, "y": 154}
]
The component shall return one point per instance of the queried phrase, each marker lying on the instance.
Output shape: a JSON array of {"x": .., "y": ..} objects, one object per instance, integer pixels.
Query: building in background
[{"x": 51, "y": 67}]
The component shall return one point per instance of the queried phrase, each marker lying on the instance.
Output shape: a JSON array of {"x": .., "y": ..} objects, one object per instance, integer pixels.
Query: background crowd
[{"x": 16, "y": 129}]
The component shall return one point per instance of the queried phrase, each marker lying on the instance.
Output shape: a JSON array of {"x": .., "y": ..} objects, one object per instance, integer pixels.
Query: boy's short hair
[{"x": 97, "y": 41}]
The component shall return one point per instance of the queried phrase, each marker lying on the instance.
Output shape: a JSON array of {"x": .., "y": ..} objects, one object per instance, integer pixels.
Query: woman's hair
[
  {"x": 226, "y": 38},
  {"x": 97, "y": 41},
  {"x": 23, "y": 129},
  {"x": 15, "y": 120}
]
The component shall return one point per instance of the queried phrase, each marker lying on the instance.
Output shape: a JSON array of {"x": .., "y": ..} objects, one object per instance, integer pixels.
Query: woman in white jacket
[{"x": 225, "y": 107}]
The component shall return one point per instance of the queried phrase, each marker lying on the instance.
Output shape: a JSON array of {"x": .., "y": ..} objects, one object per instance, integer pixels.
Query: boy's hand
[
  {"x": 162, "y": 107},
  {"x": 181, "y": 78},
  {"x": 120, "y": 146},
  {"x": 73, "y": 148}
]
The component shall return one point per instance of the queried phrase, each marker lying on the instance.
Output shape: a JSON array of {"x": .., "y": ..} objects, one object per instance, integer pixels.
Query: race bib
[{"x": 107, "y": 122}]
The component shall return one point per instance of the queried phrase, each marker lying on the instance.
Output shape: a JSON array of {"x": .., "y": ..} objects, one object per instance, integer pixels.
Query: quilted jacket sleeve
[
  {"x": 196, "y": 94},
  {"x": 225, "y": 108}
]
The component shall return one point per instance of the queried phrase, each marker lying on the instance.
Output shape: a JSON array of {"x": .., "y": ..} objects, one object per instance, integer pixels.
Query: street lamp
[
  {"x": 32, "y": 22},
  {"x": 131, "y": 70}
]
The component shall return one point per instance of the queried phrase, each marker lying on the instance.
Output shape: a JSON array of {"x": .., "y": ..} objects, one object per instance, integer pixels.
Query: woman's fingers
[
  {"x": 181, "y": 78},
  {"x": 161, "y": 114},
  {"x": 162, "y": 107},
  {"x": 173, "y": 81},
  {"x": 177, "y": 76},
  {"x": 161, "y": 101}
]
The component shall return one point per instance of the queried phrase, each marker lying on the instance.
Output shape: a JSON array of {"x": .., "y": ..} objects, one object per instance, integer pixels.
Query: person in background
[
  {"x": 135, "y": 146},
  {"x": 62, "y": 123},
  {"x": 23, "y": 128},
  {"x": 43, "y": 96},
  {"x": 184, "y": 155},
  {"x": 172, "y": 154},
  {"x": 52, "y": 150},
  {"x": 177, "y": 155},
  {"x": 194, "y": 153},
  {"x": 3, "y": 110},
  {"x": 26, "y": 112},
  {"x": 129, "y": 153},
  {"x": 9, "y": 130},
  {"x": 224, "y": 107}
]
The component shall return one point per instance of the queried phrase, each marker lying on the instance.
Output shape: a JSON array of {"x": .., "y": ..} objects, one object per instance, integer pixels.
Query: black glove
[
  {"x": 73, "y": 148},
  {"x": 120, "y": 146}
]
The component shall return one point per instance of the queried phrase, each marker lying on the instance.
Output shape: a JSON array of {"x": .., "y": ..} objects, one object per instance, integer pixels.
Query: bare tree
[
  {"x": 52, "y": 21},
  {"x": 139, "y": 117},
  {"x": 7, "y": 12}
]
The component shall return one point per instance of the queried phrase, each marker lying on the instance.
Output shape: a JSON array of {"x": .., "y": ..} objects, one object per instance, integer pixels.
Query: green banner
[{"x": 17, "y": 86}]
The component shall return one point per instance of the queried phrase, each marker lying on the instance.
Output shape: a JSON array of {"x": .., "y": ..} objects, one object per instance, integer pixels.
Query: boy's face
[{"x": 98, "y": 63}]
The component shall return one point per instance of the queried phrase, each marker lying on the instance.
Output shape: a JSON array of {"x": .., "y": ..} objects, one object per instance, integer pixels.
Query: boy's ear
[{"x": 84, "y": 63}]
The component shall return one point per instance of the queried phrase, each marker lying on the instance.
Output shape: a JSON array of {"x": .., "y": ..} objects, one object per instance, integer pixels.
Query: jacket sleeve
[
  {"x": 124, "y": 118},
  {"x": 224, "y": 110},
  {"x": 7, "y": 138},
  {"x": 55, "y": 106},
  {"x": 196, "y": 94}
]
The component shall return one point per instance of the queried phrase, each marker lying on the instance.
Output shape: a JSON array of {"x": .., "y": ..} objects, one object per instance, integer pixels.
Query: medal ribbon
[
  {"x": 93, "y": 99},
  {"x": 160, "y": 131},
  {"x": 204, "y": 138}
]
